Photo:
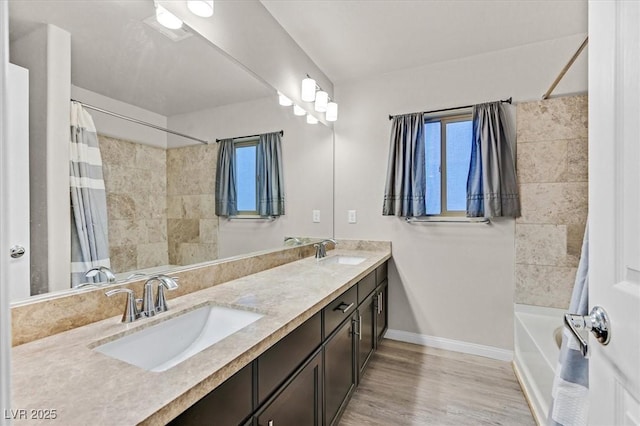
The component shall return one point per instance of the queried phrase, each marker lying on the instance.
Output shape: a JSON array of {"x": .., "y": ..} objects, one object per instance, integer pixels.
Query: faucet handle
[
  {"x": 170, "y": 284},
  {"x": 131, "y": 312}
]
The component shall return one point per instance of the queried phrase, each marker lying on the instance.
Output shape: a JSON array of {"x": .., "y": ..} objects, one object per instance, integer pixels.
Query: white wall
[
  {"x": 308, "y": 153},
  {"x": 447, "y": 281},
  {"x": 115, "y": 127}
]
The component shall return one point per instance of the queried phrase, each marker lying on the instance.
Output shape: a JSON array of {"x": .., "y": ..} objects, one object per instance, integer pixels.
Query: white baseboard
[{"x": 450, "y": 345}]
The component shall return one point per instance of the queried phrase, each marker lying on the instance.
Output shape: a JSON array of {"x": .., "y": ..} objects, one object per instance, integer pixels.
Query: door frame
[{"x": 5, "y": 313}]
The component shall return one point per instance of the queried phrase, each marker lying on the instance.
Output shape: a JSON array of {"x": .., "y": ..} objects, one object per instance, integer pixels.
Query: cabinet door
[
  {"x": 381, "y": 303},
  {"x": 300, "y": 401},
  {"x": 228, "y": 405},
  {"x": 340, "y": 377},
  {"x": 283, "y": 358},
  {"x": 366, "y": 333}
]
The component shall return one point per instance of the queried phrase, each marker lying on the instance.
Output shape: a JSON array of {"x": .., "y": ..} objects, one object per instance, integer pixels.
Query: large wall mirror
[{"x": 112, "y": 55}]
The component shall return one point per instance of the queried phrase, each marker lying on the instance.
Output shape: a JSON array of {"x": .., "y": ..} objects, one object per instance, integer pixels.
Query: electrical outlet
[
  {"x": 351, "y": 216},
  {"x": 316, "y": 216}
]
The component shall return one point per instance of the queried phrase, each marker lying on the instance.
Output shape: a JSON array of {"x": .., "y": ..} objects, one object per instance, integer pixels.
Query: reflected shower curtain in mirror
[
  {"x": 570, "y": 392},
  {"x": 406, "y": 186},
  {"x": 270, "y": 185},
  {"x": 492, "y": 187},
  {"x": 89, "y": 232},
  {"x": 226, "y": 179}
]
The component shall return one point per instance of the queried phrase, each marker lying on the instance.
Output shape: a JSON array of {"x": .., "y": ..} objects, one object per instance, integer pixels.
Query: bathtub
[{"x": 536, "y": 354}]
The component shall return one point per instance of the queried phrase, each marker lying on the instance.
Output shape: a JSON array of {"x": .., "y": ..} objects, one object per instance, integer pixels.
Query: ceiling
[
  {"x": 117, "y": 55},
  {"x": 359, "y": 38}
]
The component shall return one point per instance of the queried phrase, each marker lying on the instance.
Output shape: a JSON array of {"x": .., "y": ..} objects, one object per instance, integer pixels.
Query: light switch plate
[
  {"x": 351, "y": 216},
  {"x": 316, "y": 216}
]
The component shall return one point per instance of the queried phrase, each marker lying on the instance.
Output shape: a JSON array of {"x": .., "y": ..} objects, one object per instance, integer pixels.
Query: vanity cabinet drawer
[
  {"x": 381, "y": 273},
  {"x": 340, "y": 309},
  {"x": 282, "y": 359},
  {"x": 228, "y": 405},
  {"x": 366, "y": 286}
]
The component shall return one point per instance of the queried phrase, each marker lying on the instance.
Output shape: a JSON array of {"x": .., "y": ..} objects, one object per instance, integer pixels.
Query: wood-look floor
[{"x": 407, "y": 384}]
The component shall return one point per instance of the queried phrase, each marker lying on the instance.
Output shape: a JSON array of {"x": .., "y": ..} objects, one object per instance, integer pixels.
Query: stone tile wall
[
  {"x": 552, "y": 154},
  {"x": 135, "y": 181},
  {"x": 192, "y": 224}
]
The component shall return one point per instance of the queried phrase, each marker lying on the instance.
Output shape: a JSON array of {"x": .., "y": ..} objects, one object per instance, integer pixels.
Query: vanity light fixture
[
  {"x": 322, "y": 98},
  {"x": 283, "y": 100},
  {"x": 166, "y": 18},
  {"x": 298, "y": 110},
  {"x": 201, "y": 8},
  {"x": 308, "y": 93},
  {"x": 332, "y": 112},
  {"x": 311, "y": 119}
]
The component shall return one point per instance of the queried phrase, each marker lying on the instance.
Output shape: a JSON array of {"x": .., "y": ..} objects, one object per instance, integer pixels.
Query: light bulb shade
[
  {"x": 167, "y": 19},
  {"x": 298, "y": 111},
  {"x": 308, "y": 90},
  {"x": 332, "y": 112},
  {"x": 311, "y": 119},
  {"x": 201, "y": 7},
  {"x": 283, "y": 100},
  {"x": 322, "y": 98}
]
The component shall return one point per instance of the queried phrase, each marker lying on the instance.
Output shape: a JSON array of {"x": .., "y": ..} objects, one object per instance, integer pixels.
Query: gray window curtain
[
  {"x": 270, "y": 185},
  {"x": 570, "y": 391},
  {"x": 89, "y": 231},
  {"x": 226, "y": 179},
  {"x": 405, "y": 188},
  {"x": 492, "y": 187}
]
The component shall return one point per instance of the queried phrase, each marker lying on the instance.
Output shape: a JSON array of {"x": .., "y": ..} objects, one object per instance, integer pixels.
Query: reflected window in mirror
[{"x": 247, "y": 176}]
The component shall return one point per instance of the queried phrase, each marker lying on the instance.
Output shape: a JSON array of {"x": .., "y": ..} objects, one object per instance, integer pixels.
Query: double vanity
[{"x": 283, "y": 346}]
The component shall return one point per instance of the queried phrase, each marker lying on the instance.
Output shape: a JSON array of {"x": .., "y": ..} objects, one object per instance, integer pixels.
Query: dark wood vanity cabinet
[{"x": 308, "y": 377}]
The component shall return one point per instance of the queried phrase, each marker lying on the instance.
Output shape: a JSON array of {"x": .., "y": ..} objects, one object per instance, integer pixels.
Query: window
[
  {"x": 246, "y": 176},
  {"x": 447, "y": 155}
]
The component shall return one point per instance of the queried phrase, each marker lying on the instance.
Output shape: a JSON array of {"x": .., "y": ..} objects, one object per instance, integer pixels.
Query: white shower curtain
[{"x": 89, "y": 232}]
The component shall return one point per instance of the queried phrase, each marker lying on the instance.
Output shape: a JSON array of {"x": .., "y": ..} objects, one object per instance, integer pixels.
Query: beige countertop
[{"x": 62, "y": 372}]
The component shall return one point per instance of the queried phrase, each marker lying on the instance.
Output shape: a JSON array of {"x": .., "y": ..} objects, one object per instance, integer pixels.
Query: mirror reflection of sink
[
  {"x": 168, "y": 343},
  {"x": 344, "y": 260}
]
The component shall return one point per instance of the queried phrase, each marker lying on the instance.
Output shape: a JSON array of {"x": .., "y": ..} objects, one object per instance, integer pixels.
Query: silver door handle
[
  {"x": 16, "y": 251},
  {"x": 597, "y": 322}
]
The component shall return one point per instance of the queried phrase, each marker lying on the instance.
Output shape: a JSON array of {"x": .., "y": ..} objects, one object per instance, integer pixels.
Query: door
[
  {"x": 18, "y": 183},
  {"x": 381, "y": 310},
  {"x": 366, "y": 333},
  {"x": 614, "y": 209},
  {"x": 339, "y": 370},
  {"x": 300, "y": 403}
]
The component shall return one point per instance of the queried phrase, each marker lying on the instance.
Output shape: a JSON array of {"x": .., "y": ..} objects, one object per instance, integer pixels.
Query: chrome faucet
[
  {"x": 321, "y": 247},
  {"x": 296, "y": 241},
  {"x": 131, "y": 311},
  {"x": 149, "y": 306},
  {"x": 111, "y": 278}
]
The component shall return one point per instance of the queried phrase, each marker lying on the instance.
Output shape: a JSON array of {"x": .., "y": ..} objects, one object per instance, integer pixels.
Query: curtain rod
[
  {"x": 249, "y": 136},
  {"x": 144, "y": 123},
  {"x": 506, "y": 101},
  {"x": 565, "y": 69}
]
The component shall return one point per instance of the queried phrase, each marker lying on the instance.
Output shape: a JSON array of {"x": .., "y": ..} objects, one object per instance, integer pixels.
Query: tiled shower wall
[
  {"x": 135, "y": 182},
  {"x": 160, "y": 204},
  {"x": 192, "y": 223},
  {"x": 552, "y": 163}
]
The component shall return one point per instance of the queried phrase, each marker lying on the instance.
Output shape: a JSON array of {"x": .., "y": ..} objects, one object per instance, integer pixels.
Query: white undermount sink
[
  {"x": 168, "y": 343},
  {"x": 344, "y": 260}
]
